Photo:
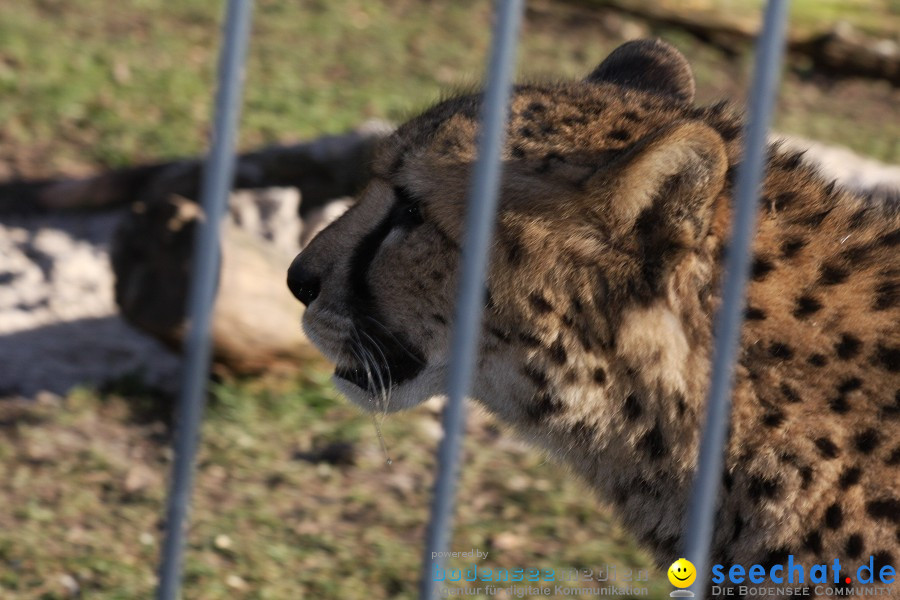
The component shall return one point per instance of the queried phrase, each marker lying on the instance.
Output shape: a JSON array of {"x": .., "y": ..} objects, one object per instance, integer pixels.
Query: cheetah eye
[{"x": 406, "y": 212}]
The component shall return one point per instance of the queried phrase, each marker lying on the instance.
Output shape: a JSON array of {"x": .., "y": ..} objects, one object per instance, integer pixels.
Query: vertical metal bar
[
  {"x": 701, "y": 519},
  {"x": 480, "y": 219},
  {"x": 217, "y": 180}
]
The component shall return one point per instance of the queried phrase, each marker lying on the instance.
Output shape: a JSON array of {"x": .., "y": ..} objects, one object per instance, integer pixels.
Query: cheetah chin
[
  {"x": 355, "y": 385},
  {"x": 375, "y": 369}
]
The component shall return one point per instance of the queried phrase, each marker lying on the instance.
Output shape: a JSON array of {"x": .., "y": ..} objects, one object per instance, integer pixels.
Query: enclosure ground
[{"x": 294, "y": 498}]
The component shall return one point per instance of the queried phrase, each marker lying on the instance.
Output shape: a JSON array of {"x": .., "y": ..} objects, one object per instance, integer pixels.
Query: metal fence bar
[
  {"x": 217, "y": 180},
  {"x": 480, "y": 219},
  {"x": 701, "y": 519}
]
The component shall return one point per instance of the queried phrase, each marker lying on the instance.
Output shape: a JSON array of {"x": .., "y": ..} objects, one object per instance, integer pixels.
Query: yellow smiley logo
[{"x": 682, "y": 573}]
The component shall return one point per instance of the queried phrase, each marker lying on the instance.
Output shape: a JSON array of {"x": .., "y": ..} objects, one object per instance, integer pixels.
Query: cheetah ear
[
  {"x": 650, "y": 66},
  {"x": 663, "y": 188}
]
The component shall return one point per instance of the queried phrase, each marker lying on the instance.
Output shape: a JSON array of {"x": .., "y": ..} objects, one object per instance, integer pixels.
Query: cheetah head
[{"x": 608, "y": 191}]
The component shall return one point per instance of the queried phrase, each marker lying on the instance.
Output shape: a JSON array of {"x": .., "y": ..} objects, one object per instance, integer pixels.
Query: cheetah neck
[
  {"x": 615, "y": 404},
  {"x": 617, "y": 391}
]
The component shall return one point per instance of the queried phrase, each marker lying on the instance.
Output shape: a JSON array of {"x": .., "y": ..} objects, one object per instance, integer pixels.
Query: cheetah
[{"x": 605, "y": 274}]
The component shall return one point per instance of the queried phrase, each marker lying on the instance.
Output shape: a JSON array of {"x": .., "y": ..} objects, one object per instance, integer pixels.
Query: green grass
[
  {"x": 97, "y": 84},
  {"x": 878, "y": 18},
  {"x": 85, "y": 480}
]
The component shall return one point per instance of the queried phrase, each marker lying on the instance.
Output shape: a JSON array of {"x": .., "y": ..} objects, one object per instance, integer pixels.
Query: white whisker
[
  {"x": 387, "y": 369},
  {"x": 365, "y": 356},
  {"x": 393, "y": 337}
]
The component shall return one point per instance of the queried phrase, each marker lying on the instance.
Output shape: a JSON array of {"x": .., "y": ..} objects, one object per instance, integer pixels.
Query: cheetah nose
[{"x": 302, "y": 282}]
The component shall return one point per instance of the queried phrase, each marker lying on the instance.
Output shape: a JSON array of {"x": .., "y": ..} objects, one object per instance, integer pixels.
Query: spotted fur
[{"x": 605, "y": 272}]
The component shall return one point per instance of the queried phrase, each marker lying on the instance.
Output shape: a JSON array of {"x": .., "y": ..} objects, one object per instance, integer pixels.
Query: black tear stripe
[
  {"x": 361, "y": 300},
  {"x": 403, "y": 360}
]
